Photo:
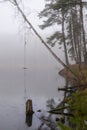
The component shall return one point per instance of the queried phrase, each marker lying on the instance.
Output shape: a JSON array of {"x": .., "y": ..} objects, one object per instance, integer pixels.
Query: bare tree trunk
[
  {"x": 78, "y": 38},
  {"x": 73, "y": 38},
  {"x": 82, "y": 30},
  {"x": 63, "y": 33}
]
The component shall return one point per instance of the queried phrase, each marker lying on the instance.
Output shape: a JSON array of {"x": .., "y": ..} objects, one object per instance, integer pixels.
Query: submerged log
[
  {"x": 60, "y": 113},
  {"x": 66, "y": 90},
  {"x": 72, "y": 88},
  {"x": 59, "y": 109},
  {"x": 29, "y": 112},
  {"x": 77, "y": 86}
]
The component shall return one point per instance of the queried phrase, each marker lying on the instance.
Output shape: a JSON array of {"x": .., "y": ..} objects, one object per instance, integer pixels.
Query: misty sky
[
  {"x": 12, "y": 47},
  {"x": 9, "y": 22}
]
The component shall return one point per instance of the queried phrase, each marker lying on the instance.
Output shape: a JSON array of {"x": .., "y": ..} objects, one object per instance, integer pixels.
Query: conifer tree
[{"x": 68, "y": 14}]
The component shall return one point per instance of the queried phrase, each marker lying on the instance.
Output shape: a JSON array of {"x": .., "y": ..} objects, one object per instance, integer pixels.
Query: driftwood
[
  {"x": 58, "y": 109},
  {"x": 66, "y": 90},
  {"x": 73, "y": 88},
  {"x": 60, "y": 113}
]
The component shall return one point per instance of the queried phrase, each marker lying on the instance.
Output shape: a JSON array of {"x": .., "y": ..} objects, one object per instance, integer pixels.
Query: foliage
[
  {"x": 78, "y": 107},
  {"x": 64, "y": 127},
  {"x": 55, "y": 38},
  {"x": 69, "y": 15},
  {"x": 78, "y": 104}
]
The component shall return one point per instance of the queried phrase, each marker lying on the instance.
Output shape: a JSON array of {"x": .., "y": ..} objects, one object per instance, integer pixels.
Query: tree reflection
[
  {"x": 50, "y": 104},
  {"x": 29, "y": 118},
  {"x": 48, "y": 121}
]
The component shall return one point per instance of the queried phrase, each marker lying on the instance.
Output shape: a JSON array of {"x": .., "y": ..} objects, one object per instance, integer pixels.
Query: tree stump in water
[
  {"x": 29, "y": 112},
  {"x": 29, "y": 107}
]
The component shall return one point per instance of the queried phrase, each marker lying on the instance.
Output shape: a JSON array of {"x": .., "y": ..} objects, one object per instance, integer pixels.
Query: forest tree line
[{"x": 69, "y": 14}]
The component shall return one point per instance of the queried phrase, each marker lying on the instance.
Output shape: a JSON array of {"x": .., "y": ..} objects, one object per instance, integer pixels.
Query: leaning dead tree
[{"x": 16, "y": 4}]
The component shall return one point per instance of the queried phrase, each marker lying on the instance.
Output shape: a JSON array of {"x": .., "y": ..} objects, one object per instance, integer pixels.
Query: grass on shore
[{"x": 80, "y": 72}]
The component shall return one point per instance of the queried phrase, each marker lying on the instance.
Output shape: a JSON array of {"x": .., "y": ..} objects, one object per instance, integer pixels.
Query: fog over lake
[{"x": 42, "y": 79}]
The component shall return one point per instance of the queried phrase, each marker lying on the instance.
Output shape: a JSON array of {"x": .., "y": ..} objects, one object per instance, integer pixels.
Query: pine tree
[{"x": 68, "y": 14}]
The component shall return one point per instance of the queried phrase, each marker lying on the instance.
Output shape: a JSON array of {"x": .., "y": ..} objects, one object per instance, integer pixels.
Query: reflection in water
[
  {"x": 48, "y": 121},
  {"x": 42, "y": 80},
  {"x": 29, "y": 118},
  {"x": 51, "y": 104}
]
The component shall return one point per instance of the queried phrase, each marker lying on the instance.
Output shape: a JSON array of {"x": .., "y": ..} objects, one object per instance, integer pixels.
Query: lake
[{"x": 41, "y": 81}]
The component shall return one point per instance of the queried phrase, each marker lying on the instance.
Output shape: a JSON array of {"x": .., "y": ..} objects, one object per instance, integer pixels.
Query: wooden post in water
[{"x": 29, "y": 112}]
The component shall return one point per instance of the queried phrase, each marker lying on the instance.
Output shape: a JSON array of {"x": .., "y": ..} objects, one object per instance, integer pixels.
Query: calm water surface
[{"x": 41, "y": 81}]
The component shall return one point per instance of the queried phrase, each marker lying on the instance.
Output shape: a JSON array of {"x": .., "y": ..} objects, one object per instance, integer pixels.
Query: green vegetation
[
  {"x": 76, "y": 102},
  {"x": 78, "y": 107},
  {"x": 64, "y": 127}
]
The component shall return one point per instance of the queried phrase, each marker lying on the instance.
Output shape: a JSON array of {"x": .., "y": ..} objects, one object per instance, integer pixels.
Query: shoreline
[{"x": 81, "y": 73}]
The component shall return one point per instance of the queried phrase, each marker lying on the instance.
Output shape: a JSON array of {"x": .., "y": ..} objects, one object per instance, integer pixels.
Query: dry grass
[{"x": 80, "y": 72}]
